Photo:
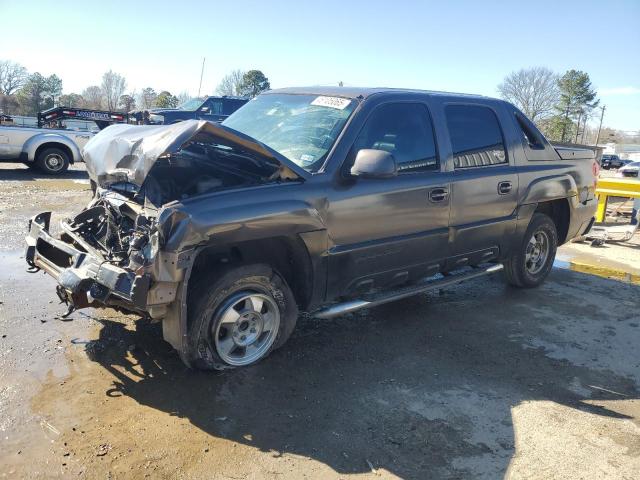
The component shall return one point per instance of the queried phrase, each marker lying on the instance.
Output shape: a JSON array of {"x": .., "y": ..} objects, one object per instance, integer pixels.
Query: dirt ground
[{"x": 479, "y": 381}]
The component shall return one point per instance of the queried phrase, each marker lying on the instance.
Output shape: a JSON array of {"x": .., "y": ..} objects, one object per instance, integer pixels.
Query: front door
[{"x": 390, "y": 231}]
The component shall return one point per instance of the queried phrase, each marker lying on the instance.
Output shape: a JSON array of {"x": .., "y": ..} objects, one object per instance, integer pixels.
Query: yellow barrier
[{"x": 614, "y": 187}]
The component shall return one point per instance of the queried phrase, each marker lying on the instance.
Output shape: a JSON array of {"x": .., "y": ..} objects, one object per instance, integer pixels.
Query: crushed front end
[{"x": 107, "y": 255}]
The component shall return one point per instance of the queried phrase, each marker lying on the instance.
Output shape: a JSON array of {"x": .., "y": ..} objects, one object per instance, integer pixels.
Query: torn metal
[{"x": 127, "y": 153}]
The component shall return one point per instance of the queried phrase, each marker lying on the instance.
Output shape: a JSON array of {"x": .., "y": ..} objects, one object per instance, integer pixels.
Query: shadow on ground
[
  {"x": 22, "y": 173},
  {"x": 423, "y": 385}
]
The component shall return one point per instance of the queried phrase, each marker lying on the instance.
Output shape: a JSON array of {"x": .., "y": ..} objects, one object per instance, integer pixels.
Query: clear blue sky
[{"x": 465, "y": 46}]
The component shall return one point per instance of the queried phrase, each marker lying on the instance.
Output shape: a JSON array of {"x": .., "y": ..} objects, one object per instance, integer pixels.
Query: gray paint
[{"x": 365, "y": 233}]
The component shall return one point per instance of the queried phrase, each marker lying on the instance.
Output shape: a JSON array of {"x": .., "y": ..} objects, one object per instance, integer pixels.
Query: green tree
[
  {"x": 53, "y": 85},
  {"x": 147, "y": 98},
  {"x": 166, "y": 100},
  {"x": 576, "y": 97},
  {"x": 253, "y": 83},
  {"x": 34, "y": 95},
  {"x": 127, "y": 102}
]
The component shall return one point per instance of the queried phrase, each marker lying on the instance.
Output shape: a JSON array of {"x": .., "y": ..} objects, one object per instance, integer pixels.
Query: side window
[
  {"x": 405, "y": 131},
  {"x": 215, "y": 107},
  {"x": 476, "y": 138},
  {"x": 532, "y": 138}
]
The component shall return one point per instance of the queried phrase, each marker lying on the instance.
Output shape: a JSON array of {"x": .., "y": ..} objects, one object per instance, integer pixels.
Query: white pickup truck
[
  {"x": 52, "y": 150},
  {"x": 49, "y": 150}
]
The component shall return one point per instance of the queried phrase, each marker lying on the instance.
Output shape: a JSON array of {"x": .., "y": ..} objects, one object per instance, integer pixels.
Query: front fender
[
  {"x": 204, "y": 226},
  {"x": 32, "y": 144},
  {"x": 181, "y": 228}
]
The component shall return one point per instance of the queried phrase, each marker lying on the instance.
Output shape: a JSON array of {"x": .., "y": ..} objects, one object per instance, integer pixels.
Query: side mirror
[{"x": 372, "y": 163}]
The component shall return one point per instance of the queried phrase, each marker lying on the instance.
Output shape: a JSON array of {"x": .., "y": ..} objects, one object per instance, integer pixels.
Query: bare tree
[
  {"x": 231, "y": 84},
  {"x": 12, "y": 77},
  {"x": 183, "y": 97},
  {"x": 113, "y": 86},
  {"x": 93, "y": 97},
  {"x": 532, "y": 90}
]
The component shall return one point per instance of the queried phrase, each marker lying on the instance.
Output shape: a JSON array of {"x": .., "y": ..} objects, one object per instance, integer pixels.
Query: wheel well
[
  {"x": 287, "y": 255},
  {"x": 559, "y": 212},
  {"x": 61, "y": 146}
]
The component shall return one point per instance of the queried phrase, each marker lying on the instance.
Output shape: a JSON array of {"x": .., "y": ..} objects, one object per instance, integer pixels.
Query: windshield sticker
[
  {"x": 306, "y": 159},
  {"x": 331, "y": 102}
]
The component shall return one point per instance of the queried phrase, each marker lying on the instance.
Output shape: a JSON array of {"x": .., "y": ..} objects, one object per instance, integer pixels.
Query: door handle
[
  {"x": 438, "y": 194},
  {"x": 504, "y": 188}
]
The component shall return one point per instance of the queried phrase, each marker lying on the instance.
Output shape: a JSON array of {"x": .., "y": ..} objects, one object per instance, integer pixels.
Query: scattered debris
[
  {"x": 103, "y": 449},
  {"x": 373, "y": 470}
]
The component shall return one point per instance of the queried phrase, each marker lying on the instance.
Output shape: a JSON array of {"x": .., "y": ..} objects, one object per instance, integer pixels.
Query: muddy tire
[
  {"x": 238, "y": 316},
  {"x": 532, "y": 261},
  {"x": 52, "y": 161}
]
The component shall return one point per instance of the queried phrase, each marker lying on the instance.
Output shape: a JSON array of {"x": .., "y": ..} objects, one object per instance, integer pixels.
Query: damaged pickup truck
[{"x": 324, "y": 200}]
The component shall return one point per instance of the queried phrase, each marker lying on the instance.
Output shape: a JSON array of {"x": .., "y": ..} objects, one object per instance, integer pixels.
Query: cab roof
[{"x": 364, "y": 92}]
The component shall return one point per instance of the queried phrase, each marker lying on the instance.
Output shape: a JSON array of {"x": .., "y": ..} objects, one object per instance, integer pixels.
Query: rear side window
[
  {"x": 533, "y": 138},
  {"x": 404, "y": 130},
  {"x": 476, "y": 138},
  {"x": 215, "y": 107}
]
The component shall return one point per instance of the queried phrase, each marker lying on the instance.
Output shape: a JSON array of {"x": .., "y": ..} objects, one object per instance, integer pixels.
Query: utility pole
[
  {"x": 201, "y": 73},
  {"x": 604, "y": 107}
]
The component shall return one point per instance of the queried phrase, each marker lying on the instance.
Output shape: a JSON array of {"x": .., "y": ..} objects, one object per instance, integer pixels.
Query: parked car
[
  {"x": 610, "y": 161},
  {"x": 52, "y": 150},
  {"x": 631, "y": 169},
  {"x": 213, "y": 109},
  {"x": 324, "y": 200}
]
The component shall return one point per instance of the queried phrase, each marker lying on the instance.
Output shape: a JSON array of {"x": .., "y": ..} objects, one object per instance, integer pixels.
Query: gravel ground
[{"x": 481, "y": 381}]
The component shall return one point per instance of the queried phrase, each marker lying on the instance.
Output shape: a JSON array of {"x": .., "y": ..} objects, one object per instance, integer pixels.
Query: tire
[
  {"x": 531, "y": 263},
  {"x": 227, "y": 326},
  {"x": 52, "y": 161}
]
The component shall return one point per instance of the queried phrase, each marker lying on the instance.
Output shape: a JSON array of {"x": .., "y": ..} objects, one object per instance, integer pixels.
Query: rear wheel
[
  {"x": 53, "y": 161},
  {"x": 532, "y": 261},
  {"x": 239, "y": 316}
]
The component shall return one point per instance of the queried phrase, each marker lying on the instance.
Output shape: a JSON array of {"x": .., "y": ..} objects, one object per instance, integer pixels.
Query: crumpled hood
[{"x": 126, "y": 153}]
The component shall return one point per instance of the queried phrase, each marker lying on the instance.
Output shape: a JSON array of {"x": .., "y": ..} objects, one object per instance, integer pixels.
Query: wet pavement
[{"x": 479, "y": 381}]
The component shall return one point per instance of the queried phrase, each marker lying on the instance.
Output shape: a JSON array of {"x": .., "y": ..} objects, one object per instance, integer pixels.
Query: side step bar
[{"x": 384, "y": 297}]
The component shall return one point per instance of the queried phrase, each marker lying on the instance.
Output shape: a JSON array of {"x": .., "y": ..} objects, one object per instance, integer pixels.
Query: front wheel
[
  {"x": 238, "y": 317},
  {"x": 532, "y": 261},
  {"x": 52, "y": 161}
]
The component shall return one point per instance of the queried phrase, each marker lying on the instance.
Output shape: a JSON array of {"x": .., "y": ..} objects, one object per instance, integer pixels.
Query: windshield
[
  {"x": 192, "y": 104},
  {"x": 301, "y": 127}
]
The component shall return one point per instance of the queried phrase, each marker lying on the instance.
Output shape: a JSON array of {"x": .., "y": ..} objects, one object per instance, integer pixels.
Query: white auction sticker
[{"x": 332, "y": 102}]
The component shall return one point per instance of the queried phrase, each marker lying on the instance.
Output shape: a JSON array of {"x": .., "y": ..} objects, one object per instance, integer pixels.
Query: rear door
[
  {"x": 484, "y": 184},
  {"x": 392, "y": 230}
]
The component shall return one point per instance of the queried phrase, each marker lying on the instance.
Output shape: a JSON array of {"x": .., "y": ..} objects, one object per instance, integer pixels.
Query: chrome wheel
[
  {"x": 247, "y": 329},
  {"x": 537, "y": 252},
  {"x": 54, "y": 162}
]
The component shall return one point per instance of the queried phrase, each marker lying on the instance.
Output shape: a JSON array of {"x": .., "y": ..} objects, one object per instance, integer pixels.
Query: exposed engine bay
[{"x": 119, "y": 221}]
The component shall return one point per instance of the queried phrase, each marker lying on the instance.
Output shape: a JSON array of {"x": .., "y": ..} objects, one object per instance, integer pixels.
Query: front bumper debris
[{"x": 85, "y": 278}]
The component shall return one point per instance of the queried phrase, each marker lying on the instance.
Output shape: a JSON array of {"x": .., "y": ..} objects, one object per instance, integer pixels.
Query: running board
[{"x": 384, "y": 297}]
